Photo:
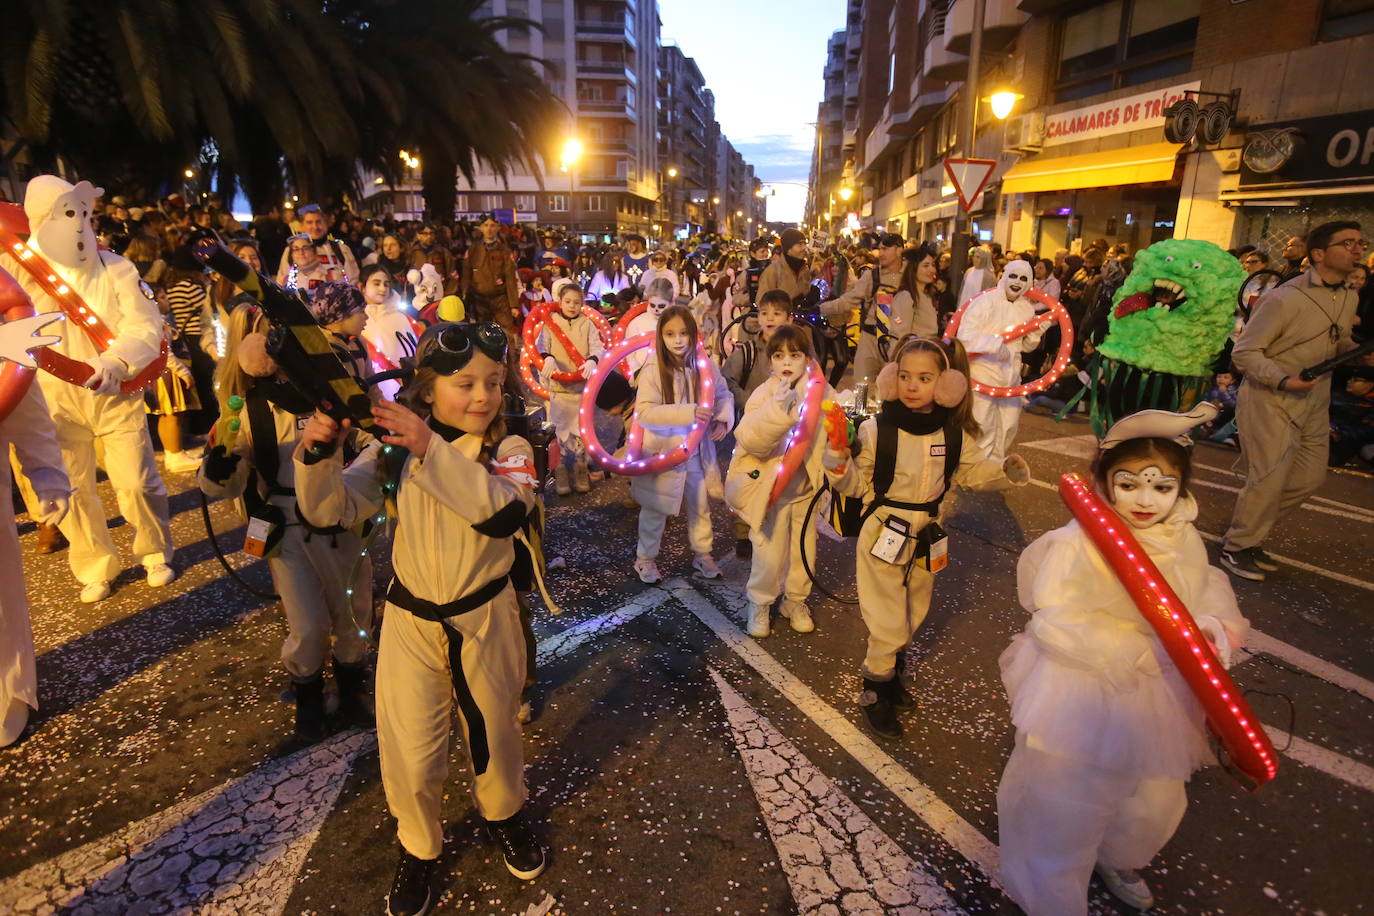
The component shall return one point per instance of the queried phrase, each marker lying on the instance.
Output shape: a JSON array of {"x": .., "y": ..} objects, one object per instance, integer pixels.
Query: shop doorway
[{"x": 1052, "y": 235}]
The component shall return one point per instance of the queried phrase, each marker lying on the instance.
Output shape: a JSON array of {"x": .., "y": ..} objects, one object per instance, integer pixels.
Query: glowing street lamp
[
  {"x": 1002, "y": 102},
  {"x": 672, "y": 171},
  {"x": 846, "y": 193},
  {"x": 572, "y": 151},
  {"x": 715, "y": 200},
  {"x": 189, "y": 173}
]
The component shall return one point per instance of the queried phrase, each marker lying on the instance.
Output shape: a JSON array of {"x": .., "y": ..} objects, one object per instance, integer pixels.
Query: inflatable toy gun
[
  {"x": 1322, "y": 368},
  {"x": 296, "y": 341}
]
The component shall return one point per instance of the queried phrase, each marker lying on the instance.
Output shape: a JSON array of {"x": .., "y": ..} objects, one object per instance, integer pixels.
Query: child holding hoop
[
  {"x": 569, "y": 343},
  {"x": 921, "y": 443},
  {"x": 776, "y": 531},
  {"x": 666, "y": 406},
  {"x": 462, "y": 489},
  {"x": 1107, "y": 731}
]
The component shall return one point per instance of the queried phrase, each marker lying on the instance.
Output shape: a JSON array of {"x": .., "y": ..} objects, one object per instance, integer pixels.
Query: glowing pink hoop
[
  {"x": 803, "y": 433},
  {"x": 633, "y": 465},
  {"x": 14, "y": 378},
  {"x": 531, "y": 361},
  {"x": 1227, "y": 712},
  {"x": 622, "y": 324},
  {"x": 1061, "y": 358}
]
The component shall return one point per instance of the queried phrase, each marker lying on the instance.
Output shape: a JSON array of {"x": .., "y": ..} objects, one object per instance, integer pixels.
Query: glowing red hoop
[
  {"x": 622, "y": 325},
  {"x": 532, "y": 361},
  {"x": 633, "y": 465},
  {"x": 803, "y": 433},
  {"x": 1061, "y": 358},
  {"x": 1227, "y": 712}
]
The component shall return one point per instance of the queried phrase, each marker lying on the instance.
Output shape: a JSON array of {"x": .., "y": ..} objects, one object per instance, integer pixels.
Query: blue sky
[{"x": 763, "y": 60}]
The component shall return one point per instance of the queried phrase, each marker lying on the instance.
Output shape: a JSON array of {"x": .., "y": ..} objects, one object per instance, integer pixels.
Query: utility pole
[{"x": 963, "y": 240}]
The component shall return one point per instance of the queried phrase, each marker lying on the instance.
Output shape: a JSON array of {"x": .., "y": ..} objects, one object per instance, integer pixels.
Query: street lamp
[
  {"x": 846, "y": 193},
  {"x": 189, "y": 173},
  {"x": 672, "y": 171},
  {"x": 715, "y": 200},
  {"x": 1002, "y": 102},
  {"x": 572, "y": 151}
]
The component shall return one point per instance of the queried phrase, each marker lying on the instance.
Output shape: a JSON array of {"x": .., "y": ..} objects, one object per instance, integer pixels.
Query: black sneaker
[
  {"x": 1242, "y": 563},
  {"x": 744, "y": 548},
  {"x": 413, "y": 890},
  {"x": 1262, "y": 559},
  {"x": 522, "y": 852}
]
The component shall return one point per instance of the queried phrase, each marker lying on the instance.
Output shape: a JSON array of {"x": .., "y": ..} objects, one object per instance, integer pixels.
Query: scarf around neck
[{"x": 895, "y": 413}]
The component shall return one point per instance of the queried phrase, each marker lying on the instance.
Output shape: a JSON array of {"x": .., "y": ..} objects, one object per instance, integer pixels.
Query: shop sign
[
  {"x": 1135, "y": 112},
  {"x": 1334, "y": 150}
]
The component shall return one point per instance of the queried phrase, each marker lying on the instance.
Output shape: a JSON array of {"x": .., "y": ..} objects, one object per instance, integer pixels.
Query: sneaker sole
[
  {"x": 424, "y": 907},
  {"x": 1267, "y": 565},
  {"x": 1255, "y": 576},
  {"x": 526, "y": 875}
]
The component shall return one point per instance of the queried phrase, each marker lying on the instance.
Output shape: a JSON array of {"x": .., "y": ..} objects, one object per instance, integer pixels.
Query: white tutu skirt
[{"x": 1119, "y": 706}]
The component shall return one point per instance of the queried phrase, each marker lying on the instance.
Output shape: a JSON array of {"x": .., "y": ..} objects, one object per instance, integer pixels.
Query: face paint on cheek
[{"x": 1146, "y": 497}]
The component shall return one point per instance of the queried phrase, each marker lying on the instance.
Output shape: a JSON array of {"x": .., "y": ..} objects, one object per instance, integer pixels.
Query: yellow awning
[{"x": 1133, "y": 165}]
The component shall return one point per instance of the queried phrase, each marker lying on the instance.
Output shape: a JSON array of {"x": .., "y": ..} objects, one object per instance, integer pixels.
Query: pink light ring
[
  {"x": 531, "y": 381},
  {"x": 1061, "y": 357},
  {"x": 799, "y": 438},
  {"x": 529, "y": 349},
  {"x": 1227, "y": 712},
  {"x": 622, "y": 325},
  {"x": 634, "y": 465}
]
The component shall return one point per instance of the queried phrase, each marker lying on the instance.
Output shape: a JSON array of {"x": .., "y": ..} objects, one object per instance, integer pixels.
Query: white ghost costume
[
  {"x": 59, "y": 222},
  {"x": 997, "y": 362}
]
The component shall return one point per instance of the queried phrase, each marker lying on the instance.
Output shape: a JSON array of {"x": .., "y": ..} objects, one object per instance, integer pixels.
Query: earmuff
[{"x": 950, "y": 387}]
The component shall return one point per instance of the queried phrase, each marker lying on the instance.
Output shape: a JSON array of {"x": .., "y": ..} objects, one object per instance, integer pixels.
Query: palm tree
[{"x": 129, "y": 91}]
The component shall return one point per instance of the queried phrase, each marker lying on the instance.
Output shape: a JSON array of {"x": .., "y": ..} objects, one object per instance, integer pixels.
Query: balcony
[
  {"x": 612, "y": 109},
  {"x": 601, "y": 68},
  {"x": 938, "y": 63},
  {"x": 594, "y": 30},
  {"x": 618, "y": 145},
  {"x": 1000, "y": 24}
]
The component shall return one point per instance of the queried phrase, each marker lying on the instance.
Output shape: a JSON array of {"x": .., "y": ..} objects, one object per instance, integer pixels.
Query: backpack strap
[
  {"x": 885, "y": 469},
  {"x": 266, "y": 457},
  {"x": 750, "y": 350}
]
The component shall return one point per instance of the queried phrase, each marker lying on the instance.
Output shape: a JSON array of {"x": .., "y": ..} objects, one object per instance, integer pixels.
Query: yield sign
[{"x": 968, "y": 177}]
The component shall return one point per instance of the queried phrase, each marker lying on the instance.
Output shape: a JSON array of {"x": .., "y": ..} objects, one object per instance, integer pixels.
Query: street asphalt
[{"x": 675, "y": 765}]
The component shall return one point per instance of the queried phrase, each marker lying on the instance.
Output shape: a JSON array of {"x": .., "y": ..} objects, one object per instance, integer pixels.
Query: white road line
[
  {"x": 1288, "y": 561},
  {"x": 916, "y": 795},
  {"x": 1319, "y": 758},
  {"x": 567, "y": 641},
  {"x": 836, "y": 859},
  {"x": 1263, "y": 642},
  {"x": 1086, "y": 447}
]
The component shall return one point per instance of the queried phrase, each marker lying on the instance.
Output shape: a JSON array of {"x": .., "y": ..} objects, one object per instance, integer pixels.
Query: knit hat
[
  {"x": 789, "y": 238},
  {"x": 614, "y": 392},
  {"x": 331, "y": 302}
]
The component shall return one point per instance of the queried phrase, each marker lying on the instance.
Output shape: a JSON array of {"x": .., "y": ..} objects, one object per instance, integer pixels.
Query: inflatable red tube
[
  {"x": 14, "y": 378},
  {"x": 800, "y": 437},
  {"x": 1228, "y": 715}
]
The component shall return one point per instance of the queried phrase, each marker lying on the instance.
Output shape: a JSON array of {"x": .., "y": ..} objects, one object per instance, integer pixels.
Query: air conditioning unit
[{"x": 1026, "y": 133}]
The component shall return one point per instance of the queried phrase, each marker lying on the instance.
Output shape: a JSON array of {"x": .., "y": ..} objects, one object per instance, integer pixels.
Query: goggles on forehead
[{"x": 449, "y": 346}]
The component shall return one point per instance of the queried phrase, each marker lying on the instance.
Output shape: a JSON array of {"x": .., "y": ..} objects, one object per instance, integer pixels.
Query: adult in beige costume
[{"x": 1284, "y": 420}]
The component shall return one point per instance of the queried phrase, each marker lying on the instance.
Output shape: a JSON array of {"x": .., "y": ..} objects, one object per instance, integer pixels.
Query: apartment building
[
  {"x": 601, "y": 59},
  {"x": 1084, "y": 154},
  {"x": 826, "y": 205},
  {"x": 686, "y": 149}
]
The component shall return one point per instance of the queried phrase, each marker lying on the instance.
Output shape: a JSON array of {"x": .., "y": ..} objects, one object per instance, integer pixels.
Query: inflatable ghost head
[
  {"x": 429, "y": 286},
  {"x": 1016, "y": 279},
  {"x": 60, "y": 219}
]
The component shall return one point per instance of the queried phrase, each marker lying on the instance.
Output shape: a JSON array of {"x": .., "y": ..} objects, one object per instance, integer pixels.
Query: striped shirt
[{"x": 186, "y": 300}]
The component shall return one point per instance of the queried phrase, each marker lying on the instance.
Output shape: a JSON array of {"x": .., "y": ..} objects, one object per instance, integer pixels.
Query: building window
[
  {"x": 558, "y": 203},
  {"x": 460, "y": 203},
  {"x": 525, "y": 203},
  {"x": 1343, "y": 18},
  {"x": 491, "y": 202},
  {"x": 596, "y": 203},
  {"x": 1124, "y": 43}
]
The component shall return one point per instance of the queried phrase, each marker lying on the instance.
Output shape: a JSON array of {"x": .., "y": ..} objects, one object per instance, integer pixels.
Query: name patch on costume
[
  {"x": 937, "y": 451},
  {"x": 255, "y": 541},
  {"x": 517, "y": 468}
]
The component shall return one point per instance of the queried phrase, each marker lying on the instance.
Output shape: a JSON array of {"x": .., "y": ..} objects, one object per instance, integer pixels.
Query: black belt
[
  {"x": 401, "y": 596},
  {"x": 929, "y": 508}
]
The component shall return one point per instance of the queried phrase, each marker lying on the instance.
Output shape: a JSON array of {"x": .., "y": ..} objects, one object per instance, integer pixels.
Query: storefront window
[{"x": 1125, "y": 43}]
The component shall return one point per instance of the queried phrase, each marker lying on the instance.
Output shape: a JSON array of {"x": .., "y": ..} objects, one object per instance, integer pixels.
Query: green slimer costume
[{"x": 1169, "y": 321}]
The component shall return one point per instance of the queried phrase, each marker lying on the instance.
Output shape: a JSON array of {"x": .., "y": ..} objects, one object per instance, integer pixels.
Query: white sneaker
[
  {"x": 180, "y": 462},
  {"x": 799, "y": 614},
  {"x": 648, "y": 571},
  {"x": 96, "y": 591},
  {"x": 1127, "y": 886},
  {"x": 758, "y": 620},
  {"x": 160, "y": 574},
  {"x": 706, "y": 565}
]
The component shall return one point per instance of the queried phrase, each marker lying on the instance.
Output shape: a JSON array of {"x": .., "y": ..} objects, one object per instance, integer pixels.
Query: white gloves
[
  {"x": 1216, "y": 633},
  {"x": 1016, "y": 469},
  {"x": 52, "y": 507},
  {"x": 588, "y": 368},
  {"x": 109, "y": 372},
  {"x": 833, "y": 461},
  {"x": 786, "y": 397},
  {"x": 546, "y": 372}
]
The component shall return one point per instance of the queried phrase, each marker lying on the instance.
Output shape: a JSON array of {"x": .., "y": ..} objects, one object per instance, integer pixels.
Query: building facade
[{"x": 1084, "y": 155}]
